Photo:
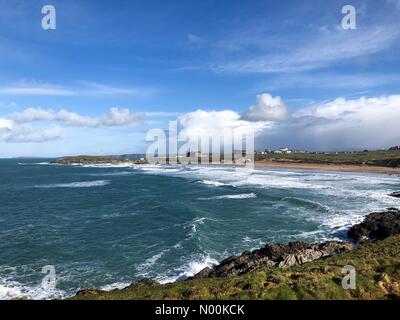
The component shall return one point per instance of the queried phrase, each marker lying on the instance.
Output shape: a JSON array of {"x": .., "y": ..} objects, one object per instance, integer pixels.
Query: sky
[{"x": 113, "y": 70}]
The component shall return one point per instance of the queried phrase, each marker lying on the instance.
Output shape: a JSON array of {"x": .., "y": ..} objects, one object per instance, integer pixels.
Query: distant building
[{"x": 282, "y": 150}]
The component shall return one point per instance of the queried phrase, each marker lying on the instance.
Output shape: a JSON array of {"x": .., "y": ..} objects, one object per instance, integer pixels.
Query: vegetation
[
  {"x": 372, "y": 158},
  {"x": 87, "y": 159},
  {"x": 389, "y": 158},
  {"x": 378, "y": 277}
]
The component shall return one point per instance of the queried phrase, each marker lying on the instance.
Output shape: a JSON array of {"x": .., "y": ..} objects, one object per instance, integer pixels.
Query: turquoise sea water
[{"x": 106, "y": 226}]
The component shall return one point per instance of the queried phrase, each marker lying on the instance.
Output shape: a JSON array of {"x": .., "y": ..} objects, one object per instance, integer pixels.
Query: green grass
[
  {"x": 378, "y": 277},
  {"x": 88, "y": 159},
  {"x": 374, "y": 158}
]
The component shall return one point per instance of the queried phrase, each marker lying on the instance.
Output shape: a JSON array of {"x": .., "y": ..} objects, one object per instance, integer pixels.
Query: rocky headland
[
  {"x": 275, "y": 255},
  {"x": 297, "y": 270},
  {"x": 377, "y": 226},
  {"x": 97, "y": 160}
]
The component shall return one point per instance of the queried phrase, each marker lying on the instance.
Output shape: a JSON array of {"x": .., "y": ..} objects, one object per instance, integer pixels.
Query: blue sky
[{"x": 160, "y": 60}]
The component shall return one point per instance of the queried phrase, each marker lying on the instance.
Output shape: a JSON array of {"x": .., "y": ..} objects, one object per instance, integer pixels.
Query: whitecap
[
  {"x": 80, "y": 184},
  {"x": 105, "y": 165},
  {"x": 150, "y": 262},
  {"x": 34, "y": 163},
  {"x": 105, "y": 174},
  {"x": 214, "y": 183},
  {"x": 307, "y": 202},
  {"x": 10, "y": 289},
  {"x": 251, "y": 195},
  {"x": 116, "y": 285},
  {"x": 189, "y": 269}
]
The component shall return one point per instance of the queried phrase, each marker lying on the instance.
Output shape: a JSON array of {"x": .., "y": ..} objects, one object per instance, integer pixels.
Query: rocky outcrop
[
  {"x": 377, "y": 226},
  {"x": 274, "y": 256},
  {"x": 395, "y": 194},
  {"x": 88, "y": 292},
  {"x": 86, "y": 160}
]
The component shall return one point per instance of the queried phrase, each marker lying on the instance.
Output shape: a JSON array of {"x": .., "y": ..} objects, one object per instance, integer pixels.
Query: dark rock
[
  {"x": 22, "y": 298},
  {"x": 274, "y": 256},
  {"x": 395, "y": 194},
  {"x": 377, "y": 226},
  {"x": 88, "y": 291},
  {"x": 145, "y": 282}
]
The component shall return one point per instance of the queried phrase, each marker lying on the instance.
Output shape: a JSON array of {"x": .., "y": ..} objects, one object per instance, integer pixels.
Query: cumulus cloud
[
  {"x": 341, "y": 124},
  {"x": 116, "y": 117},
  {"x": 6, "y": 124},
  {"x": 203, "y": 123},
  {"x": 263, "y": 115},
  {"x": 215, "y": 128},
  {"x": 267, "y": 108},
  {"x": 13, "y": 132},
  {"x": 18, "y": 126}
]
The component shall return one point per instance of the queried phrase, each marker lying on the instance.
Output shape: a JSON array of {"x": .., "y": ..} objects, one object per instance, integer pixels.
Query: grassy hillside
[
  {"x": 87, "y": 159},
  {"x": 378, "y": 277},
  {"x": 375, "y": 158}
]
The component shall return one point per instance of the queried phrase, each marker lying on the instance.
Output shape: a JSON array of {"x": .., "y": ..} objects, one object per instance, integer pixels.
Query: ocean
[{"x": 106, "y": 226}]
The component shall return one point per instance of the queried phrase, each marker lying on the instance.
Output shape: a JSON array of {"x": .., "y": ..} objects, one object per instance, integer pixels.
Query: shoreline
[
  {"x": 263, "y": 164},
  {"x": 327, "y": 167},
  {"x": 297, "y": 270}
]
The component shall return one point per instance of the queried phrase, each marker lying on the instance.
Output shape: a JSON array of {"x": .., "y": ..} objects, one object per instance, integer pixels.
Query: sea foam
[
  {"x": 251, "y": 195},
  {"x": 79, "y": 184},
  {"x": 10, "y": 289}
]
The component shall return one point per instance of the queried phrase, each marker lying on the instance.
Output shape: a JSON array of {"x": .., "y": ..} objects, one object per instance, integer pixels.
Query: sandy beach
[{"x": 328, "y": 167}]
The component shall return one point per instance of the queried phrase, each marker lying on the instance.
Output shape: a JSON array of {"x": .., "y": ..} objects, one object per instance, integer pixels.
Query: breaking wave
[
  {"x": 251, "y": 195},
  {"x": 80, "y": 184}
]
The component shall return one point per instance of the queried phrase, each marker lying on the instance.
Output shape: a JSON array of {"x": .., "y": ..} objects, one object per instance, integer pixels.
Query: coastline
[
  {"x": 296, "y": 271},
  {"x": 339, "y": 165},
  {"x": 155, "y": 287},
  {"x": 293, "y": 271},
  {"x": 267, "y": 164},
  {"x": 327, "y": 167}
]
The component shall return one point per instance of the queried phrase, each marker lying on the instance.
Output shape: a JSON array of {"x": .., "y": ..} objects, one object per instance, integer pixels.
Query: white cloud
[
  {"x": 6, "y": 123},
  {"x": 12, "y": 132},
  {"x": 83, "y": 88},
  {"x": 219, "y": 126},
  {"x": 262, "y": 115},
  {"x": 35, "y": 91},
  {"x": 205, "y": 124},
  {"x": 328, "y": 46},
  {"x": 18, "y": 126},
  {"x": 215, "y": 124},
  {"x": 341, "y": 108},
  {"x": 341, "y": 124},
  {"x": 267, "y": 108},
  {"x": 116, "y": 117}
]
